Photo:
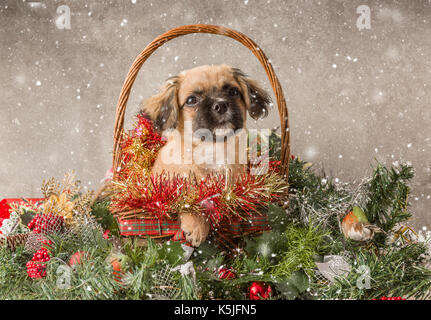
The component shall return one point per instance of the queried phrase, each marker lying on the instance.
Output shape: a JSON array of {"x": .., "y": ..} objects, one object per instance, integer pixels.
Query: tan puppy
[{"x": 205, "y": 109}]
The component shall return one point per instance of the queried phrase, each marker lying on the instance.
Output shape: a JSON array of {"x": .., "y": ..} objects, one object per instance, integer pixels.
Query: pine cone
[{"x": 12, "y": 242}]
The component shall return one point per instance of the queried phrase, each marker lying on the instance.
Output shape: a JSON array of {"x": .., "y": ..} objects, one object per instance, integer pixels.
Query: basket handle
[{"x": 212, "y": 29}]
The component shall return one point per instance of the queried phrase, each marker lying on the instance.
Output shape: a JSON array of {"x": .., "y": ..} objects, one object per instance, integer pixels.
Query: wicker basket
[{"x": 168, "y": 228}]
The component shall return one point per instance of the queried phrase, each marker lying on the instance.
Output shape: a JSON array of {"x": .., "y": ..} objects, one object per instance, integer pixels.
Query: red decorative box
[{"x": 5, "y": 206}]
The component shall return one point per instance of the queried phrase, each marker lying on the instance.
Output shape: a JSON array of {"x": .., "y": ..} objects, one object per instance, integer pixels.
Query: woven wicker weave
[{"x": 212, "y": 29}]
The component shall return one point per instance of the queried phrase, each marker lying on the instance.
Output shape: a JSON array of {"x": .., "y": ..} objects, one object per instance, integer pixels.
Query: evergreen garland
[{"x": 284, "y": 258}]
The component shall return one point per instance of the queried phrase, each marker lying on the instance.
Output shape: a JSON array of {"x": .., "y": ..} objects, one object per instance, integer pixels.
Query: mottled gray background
[{"x": 354, "y": 96}]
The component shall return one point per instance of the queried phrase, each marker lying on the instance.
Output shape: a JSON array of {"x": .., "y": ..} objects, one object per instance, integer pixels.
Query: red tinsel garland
[{"x": 162, "y": 197}]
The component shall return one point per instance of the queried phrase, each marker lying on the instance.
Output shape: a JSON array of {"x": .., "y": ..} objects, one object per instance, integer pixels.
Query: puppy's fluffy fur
[{"x": 215, "y": 98}]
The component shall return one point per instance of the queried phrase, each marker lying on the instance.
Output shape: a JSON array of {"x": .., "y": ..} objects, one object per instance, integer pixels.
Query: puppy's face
[
  {"x": 212, "y": 99},
  {"x": 216, "y": 98}
]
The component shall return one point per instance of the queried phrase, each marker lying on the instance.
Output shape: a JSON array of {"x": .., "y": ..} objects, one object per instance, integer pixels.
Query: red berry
[{"x": 36, "y": 267}]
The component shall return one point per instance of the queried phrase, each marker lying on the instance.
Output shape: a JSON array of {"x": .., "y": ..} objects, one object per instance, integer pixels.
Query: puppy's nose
[{"x": 220, "y": 107}]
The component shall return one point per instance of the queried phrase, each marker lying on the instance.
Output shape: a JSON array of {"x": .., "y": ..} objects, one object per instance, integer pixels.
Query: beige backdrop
[{"x": 353, "y": 95}]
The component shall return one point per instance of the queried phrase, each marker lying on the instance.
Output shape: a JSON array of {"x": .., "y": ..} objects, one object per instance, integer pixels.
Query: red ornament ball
[
  {"x": 259, "y": 291},
  {"x": 117, "y": 270},
  {"x": 77, "y": 258},
  {"x": 226, "y": 274}
]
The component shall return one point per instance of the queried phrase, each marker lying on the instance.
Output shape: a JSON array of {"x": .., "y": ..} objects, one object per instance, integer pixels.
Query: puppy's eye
[
  {"x": 233, "y": 91},
  {"x": 191, "y": 100}
]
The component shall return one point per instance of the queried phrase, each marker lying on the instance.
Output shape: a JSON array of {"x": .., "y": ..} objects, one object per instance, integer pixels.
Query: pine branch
[
  {"x": 394, "y": 272},
  {"x": 388, "y": 196}
]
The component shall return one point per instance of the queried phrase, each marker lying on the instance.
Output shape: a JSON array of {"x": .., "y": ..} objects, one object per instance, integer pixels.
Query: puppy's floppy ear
[
  {"x": 163, "y": 107},
  {"x": 256, "y": 99}
]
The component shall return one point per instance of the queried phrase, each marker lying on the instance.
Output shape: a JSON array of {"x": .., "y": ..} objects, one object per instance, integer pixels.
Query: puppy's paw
[{"x": 195, "y": 227}]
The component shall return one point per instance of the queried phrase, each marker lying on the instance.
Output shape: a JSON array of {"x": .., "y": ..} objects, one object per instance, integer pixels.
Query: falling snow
[{"x": 353, "y": 96}]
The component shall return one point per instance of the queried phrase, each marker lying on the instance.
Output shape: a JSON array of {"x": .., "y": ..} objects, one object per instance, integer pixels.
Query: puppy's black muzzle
[
  {"x": 220, "y": 107},
  {"x": 219, "y": 112}
]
